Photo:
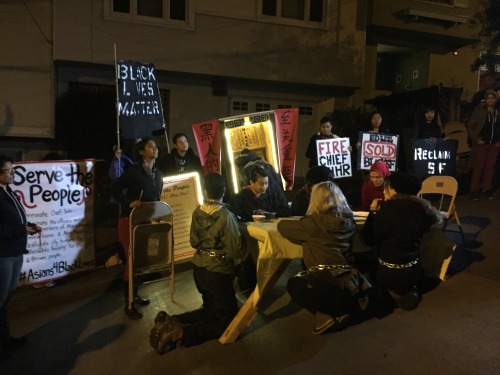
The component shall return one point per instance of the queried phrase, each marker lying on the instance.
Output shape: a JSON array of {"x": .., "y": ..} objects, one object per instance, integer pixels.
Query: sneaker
[{"x": 489, "y": 194}]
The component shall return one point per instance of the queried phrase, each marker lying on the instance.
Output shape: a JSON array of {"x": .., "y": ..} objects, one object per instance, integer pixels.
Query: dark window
[
  {"x": 150, "y": 8},
  {"x": 240, "y": 106},
  {"x": 307, "y": 111},
  {"x": 283, "y": 106},
  {"x": 293, "y": 9},
  {"x": 121, "y": 6},
  {"x": 316, "y": 11},
  {"x": 178, "y": 10},
  {"x": 259, "y": 107},
  {"x": 269, "y": 7}
]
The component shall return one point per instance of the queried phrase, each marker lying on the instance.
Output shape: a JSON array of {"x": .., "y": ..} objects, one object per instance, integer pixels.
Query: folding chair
[
  {"x": 151, "y": 243},
  {"x": 446, "y": 187}
]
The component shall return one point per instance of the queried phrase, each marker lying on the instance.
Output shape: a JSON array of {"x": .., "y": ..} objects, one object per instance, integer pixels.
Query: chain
[
  {"x": 398, "y": 266},
  {"x": 321, "y": 267}
]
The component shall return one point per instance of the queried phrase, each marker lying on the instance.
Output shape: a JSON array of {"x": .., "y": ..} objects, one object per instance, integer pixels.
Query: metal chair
[
  {"x": 151, "y": 243},
  {"x": 446, "y": 187}
]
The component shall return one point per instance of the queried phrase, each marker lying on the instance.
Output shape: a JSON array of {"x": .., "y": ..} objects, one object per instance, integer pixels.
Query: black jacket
[
  {"x": 173, "y": 163},
  {"x": 127, "y": 188},
  {"x": 13, "y": 235}
]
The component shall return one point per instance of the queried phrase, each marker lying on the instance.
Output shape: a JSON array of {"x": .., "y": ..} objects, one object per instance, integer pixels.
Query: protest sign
[
  {"x": 286, "y": 135},
  {"x": 139, "y": 102},
  {"x": 207, "y": 136},
  {"x": 59, "y": 197},
  {"x": 375, "y": 147},
  {"x": 183, "y": 194},
  {"x": 435, "y": 157},
  {"x": 334, "y": 154}
]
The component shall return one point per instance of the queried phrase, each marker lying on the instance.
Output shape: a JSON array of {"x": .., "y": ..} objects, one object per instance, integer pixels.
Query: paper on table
[{"x": 361, "y": 213}]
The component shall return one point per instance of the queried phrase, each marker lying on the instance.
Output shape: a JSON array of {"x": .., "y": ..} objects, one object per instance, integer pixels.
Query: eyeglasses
[{"x": 7, "y": 171}]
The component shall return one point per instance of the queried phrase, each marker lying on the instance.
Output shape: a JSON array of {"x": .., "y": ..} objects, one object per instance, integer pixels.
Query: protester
[
  {"x": 489, "y": 84},
  {"x": 118, "y": 164},
  {"x": 372, "y": 191},
  {"x": 141, "y": 182},
  {"x": 256, "y": 197},
  {"x": 325, "y": 132},
  {"x": 397, "y": 228},
  {"x": 484, "y": 130},
  {"x": 375, "y": 126},
  {"x": 14, "y": 230},
  {"x": 331, "y": 288},
  {"x": 217, "y": 240},
  {"x": 427, "y": 126},
  {"x": 181, "y": 159},
  {"x": 314, "y": 176}
]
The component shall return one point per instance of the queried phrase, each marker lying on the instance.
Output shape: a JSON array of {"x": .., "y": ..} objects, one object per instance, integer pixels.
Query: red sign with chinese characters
[
  {"x": 207, "y": 136},
  {"x": 286, "y": 134}
]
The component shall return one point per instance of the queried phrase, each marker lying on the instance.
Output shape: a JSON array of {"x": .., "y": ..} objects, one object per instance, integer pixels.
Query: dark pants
[
  {"x": 399, "y": 281},
  {"x": 219, "y": 307},
  {"x": 485, "y": 157}
]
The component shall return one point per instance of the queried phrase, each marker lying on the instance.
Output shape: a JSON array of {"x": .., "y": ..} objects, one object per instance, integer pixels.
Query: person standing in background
[
  {"x": 181, "y": 159},
  {"x": 141, "y": 182},
  {"x": 14, "y": 230},
  {"x": 325, "y": 132}
]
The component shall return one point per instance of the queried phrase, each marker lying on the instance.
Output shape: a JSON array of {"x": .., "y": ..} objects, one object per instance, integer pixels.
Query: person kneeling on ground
[
  {"x": 397, "y": 229},
  {"x": 217, "y": 240},
  {"x": 331, "y": 288}
]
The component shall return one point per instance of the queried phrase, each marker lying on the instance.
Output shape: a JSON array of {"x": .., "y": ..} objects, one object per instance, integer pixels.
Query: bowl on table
[{"x": 258, "y": 218}]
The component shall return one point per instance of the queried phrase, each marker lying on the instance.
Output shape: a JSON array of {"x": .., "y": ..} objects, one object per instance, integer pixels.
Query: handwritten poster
[
  {"x": 59, "y": 197},
  {"x": 375, "y": 147},
  {"x": 139, "y": 103},
  {"x": 335, "y": 154},
  {"x": 183, "y": 194},
  {"x": 435, "y": 157}
]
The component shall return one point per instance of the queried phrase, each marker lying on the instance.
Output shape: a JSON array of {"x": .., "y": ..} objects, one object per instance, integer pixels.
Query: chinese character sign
[
  {"x": 207, "y": 136},
  {"x": 286, "y": 134},
  {"x": 435, "y": 157},
  {"x": 375, "y": 147},
  {"x": 59, "y": 197},
  {"x": 139, "y": 104},
  {"x": 335, "y": 154}
]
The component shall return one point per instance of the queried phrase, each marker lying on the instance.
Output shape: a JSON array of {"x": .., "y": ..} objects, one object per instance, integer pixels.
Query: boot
[
  {"x": 166, "y": 334},
  {"x": 324, "y": 322},
  {"x": 138, "y": 299},
  {"x": 132, "y": 313}
]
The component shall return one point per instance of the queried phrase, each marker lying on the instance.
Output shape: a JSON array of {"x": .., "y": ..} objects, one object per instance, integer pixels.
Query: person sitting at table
[
  {"x": 217, "y": 240},
  {"x": 256, "y": 197},
  {"x": 314, "y": 176},
  {"x": 372, "y": 191},
  {"x": 397, "y": 229},
  {"x": 331, "y": 288}
]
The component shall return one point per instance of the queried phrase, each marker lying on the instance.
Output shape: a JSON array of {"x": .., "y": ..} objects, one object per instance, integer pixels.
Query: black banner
[
  {"x": 139, "y": 102},
  {"x": 435, "y": 157}
]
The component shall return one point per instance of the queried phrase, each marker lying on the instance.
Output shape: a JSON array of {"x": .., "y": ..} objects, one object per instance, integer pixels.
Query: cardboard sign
[
  {"x": 59, "y": 197},
  {"x": 435, "y": 157},
  {"x": 183, "y": 194},
  {"x": 334, "y": 154},
  {"x": 139, "y": 103},
  {"x": 375, "y": 147}
]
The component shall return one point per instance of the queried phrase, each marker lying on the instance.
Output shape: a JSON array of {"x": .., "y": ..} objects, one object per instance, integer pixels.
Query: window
[
  {"x": 283, "y": 106},
  {"x": 306, "y": 111},
  {"x": 173, "y": 12},
  {"x": 240, "y": 106},
  {"x": 303, "y": 10},
  {"x": 259, "y": 107}
]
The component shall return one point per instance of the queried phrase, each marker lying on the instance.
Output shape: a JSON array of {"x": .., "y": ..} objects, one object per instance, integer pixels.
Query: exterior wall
[{"x": 26, "y": 98}]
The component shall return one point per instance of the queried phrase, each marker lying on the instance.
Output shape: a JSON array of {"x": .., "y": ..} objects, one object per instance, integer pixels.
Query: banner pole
[
  {"x": 117, "y": 111},
  {"x": 163, "y": 117}
]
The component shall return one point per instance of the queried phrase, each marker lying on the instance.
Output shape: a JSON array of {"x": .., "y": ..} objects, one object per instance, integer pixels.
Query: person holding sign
[
  {"x": 375, "y": 126},
  {"x": 141, "y": 182},
  {"x": 217, "y": 240},
  {"x": 397, "y": 229},
  {"x": 181, "y": 159},
  {"x": 14, "y": 230},
  {"x": 325, "y": 132},
  {"x": 427, "y": 125},
  {"x": 372, "y": 191},
  {"x": 484, "y": 129}
]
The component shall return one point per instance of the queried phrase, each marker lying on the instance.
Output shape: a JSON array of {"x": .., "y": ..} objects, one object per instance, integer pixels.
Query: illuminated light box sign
[
  {"x": 378, "y": 147},
  {"x": 335, "y": 154},
  {"x": 59, "y": 197},
  {"x": 183, "y": 194},
  {"x": 435, "y": 157}
]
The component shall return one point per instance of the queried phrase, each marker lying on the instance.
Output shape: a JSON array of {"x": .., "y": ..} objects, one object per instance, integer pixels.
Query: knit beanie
[
  {"x": 491, "y": 92},
  {"x": 381, "y": 168}
]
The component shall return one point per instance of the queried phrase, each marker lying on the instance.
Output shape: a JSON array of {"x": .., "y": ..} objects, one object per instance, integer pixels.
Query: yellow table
[{"x": 275, "y": 253}]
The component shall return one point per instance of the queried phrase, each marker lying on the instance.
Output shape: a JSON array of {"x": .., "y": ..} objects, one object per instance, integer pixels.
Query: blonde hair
[{"x": 327, "y": 197}]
